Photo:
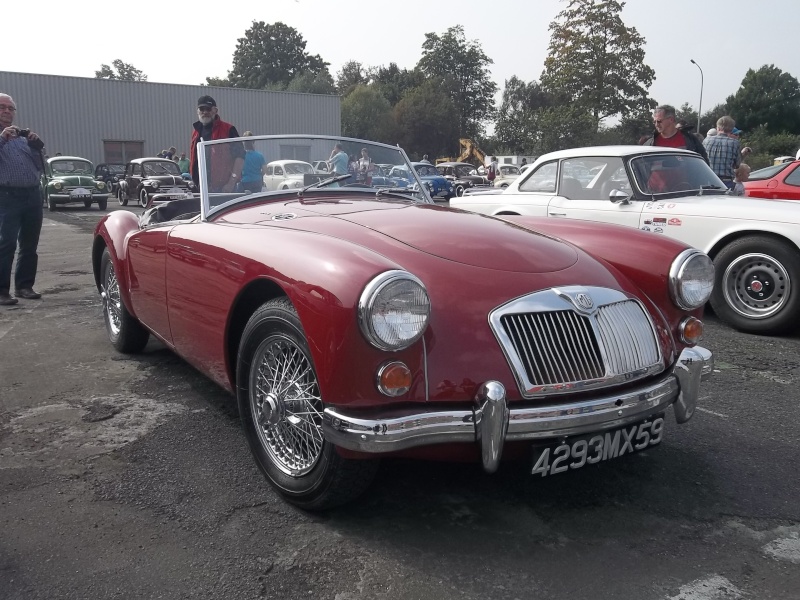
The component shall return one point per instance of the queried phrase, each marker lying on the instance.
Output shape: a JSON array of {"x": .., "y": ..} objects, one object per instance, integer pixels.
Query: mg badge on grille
[{"x": 584, "y": 301}]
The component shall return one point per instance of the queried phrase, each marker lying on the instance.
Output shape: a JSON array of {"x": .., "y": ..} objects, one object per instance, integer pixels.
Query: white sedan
[
  {"x": 286, "y": 174},
  {"x": 755, "y": 243}
]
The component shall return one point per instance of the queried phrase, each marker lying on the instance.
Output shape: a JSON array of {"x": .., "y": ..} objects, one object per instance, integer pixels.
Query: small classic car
[
  {"x": 69, "y": 179},
  {"x": 506, "y": 176},
  {"x": 145, "y": 177},
  {"x": 778, "y": 182},
  {"x": 754, "y": 243},
  {"x": 110, "y": 174},
  {"x": 462, "y": 176},
  {"x": 355, "y": 322},
  {"x": 286, "y": 174},
  {"x": 438, "y": 186}
]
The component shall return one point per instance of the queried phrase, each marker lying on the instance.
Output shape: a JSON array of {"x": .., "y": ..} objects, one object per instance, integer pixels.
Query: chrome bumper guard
[{"x": 491, "y": 422}]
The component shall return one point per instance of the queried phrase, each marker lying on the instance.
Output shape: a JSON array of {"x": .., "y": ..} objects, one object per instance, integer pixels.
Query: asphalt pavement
[{"x": 129, "y": 477}]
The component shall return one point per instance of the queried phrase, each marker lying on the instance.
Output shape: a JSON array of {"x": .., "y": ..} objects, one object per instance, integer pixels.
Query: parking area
[{"x": 129, "y": 477}]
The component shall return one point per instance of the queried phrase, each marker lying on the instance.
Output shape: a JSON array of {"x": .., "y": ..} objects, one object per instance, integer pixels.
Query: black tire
[
  {"x": 125, "y": 332},
  {"x": 311, "y": 475},
  {"x": 144, "y": 198},
  {"x": 122, "y": 197},
  {"x": 51, "y": 205},
  {"x": 102, "y": 204},
  {"x": 757, "y": 285},
  {"x": 87, "y": 204}
]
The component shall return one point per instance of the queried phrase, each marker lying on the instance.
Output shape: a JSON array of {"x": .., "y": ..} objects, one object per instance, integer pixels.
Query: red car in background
[{"x": 781, "y": 182}]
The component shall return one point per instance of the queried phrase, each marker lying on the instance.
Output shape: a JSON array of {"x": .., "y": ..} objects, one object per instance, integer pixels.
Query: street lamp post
[{"x": 699, "y": 106}]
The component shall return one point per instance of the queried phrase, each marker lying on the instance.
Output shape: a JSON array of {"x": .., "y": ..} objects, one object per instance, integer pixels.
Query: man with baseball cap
[{"x": 225, "y": 168}]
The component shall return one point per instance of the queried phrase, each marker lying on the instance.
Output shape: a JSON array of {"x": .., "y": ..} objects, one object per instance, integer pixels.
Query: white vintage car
[
  {"x": 286, "y": 174},
  {"x": 755, "y": 243}
]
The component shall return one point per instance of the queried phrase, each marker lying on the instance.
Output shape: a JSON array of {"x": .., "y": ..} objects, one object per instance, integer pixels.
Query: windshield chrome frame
[{"x": 207, "y": 211}]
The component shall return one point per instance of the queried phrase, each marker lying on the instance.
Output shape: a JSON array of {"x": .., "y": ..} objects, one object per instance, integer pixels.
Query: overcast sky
[{"x": 184, "y": 42}]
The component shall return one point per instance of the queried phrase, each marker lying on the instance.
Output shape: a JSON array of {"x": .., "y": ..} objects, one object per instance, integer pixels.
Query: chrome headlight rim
[
  {"x": 366, "y": 303},
  {"x": 676, "y": 272}
]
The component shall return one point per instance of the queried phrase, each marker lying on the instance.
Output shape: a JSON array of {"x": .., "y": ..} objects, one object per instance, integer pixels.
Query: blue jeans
[{"x": 20, "y": 224}]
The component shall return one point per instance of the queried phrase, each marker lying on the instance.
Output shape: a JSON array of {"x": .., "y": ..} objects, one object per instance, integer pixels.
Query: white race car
[{"x": 755, "y": 243}]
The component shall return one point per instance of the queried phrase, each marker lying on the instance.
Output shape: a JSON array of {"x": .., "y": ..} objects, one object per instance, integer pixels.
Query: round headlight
[
  {"x": 57, "y": 185},
  {"x": 154, "y": 184},
  {"x": 691, "y": 279},
  {"x": 393, "y": 310},
  {"x": 101, "y": 185}
]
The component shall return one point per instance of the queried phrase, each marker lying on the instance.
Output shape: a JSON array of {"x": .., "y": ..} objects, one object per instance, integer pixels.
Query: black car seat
[{"x": 570, "y": 188}]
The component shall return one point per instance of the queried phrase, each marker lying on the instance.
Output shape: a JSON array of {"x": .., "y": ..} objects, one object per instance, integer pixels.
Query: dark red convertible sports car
[
  {"x": 355, "y": 322},
  {"x": 778, "y": 182}
]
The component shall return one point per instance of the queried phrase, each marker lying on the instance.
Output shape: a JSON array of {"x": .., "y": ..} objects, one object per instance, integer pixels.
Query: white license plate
[
  {"x": 578, "y": 452},
  {"x": 80, "y": 193}
]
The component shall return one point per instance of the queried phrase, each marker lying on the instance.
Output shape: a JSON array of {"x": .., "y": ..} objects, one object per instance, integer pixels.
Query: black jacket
[{"x": 693, "y": 143}]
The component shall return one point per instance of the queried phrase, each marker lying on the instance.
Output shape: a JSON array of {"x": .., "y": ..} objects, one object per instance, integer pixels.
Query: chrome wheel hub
[
  {"x": 112, "y": 304},
  {"x": 286, "y": 405},
  {"x": 756, "y": 285}
]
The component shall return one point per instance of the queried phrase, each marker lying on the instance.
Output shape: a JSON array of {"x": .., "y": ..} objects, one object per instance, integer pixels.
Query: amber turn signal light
[
  {"x": 394, "y": 379},
  {"x": 691, "y": 330}
]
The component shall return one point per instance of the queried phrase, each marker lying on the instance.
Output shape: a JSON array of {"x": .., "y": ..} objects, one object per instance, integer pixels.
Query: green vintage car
[{"x": 69, "y": 179}]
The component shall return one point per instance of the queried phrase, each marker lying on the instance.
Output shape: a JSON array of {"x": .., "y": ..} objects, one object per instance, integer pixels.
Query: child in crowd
[{"x": 741, "y": 175}]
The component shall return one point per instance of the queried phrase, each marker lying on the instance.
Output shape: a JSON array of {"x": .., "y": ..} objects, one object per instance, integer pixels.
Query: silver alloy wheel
[
  {"x": 121, "y": 196},
  {"x": 143, "y": 198},
  {"x": 112, "y": 303},
  {"x": 286, "y": 405},
  {"x": 756, "y": 285}
]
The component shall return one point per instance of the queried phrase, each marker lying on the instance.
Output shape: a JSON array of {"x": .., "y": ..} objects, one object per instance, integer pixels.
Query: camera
[{"x": 23, "y": 132}]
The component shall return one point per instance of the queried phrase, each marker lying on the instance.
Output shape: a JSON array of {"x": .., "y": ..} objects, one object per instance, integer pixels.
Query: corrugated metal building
[{"x": 114, "y": 121}]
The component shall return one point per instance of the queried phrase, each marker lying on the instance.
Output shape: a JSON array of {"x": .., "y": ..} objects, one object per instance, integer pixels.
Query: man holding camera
[{"x": 20, "y": 204}]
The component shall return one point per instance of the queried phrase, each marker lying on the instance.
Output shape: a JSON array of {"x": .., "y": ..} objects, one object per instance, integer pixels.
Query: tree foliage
[
  {"x": 767, "y": 97},
  {"x": 516, "y": 121},
  {"x": 270, "y": 54},
  {"x": 121, "y": 71},
  {"x": 366, "y": 114},
  {"x": 463, "y": 68},
  {"x": 394, "y": 82},
  {"x": 595, "y": 61},
  {"x": 351, "y": 74},
  {"x": 313, "y": 83},
  {"x": 426, "y": 120}
]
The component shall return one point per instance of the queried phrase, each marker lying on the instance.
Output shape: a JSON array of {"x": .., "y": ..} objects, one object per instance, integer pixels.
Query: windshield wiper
[
  {"x": 323, "y": 183},
  {"x": 394, "y": 190}
]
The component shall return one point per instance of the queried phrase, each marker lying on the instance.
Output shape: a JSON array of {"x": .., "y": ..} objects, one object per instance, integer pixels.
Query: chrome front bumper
[{"x": 491, "y": 422}]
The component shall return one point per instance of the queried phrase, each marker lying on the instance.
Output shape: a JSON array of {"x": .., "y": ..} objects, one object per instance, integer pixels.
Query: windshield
[
  {"x": 71, "y": 167},
  {"x": 768, "y": 172},
  {"x": 464, "y": 170},
  {"x": 262, "y": 164},
  {"x": 671, "y": 173},
  {"x": 426, "y": 170},
  {"x": 161, "y": 167}
]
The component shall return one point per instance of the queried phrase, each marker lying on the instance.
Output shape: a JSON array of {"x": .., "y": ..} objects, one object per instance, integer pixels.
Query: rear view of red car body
[{"x": 778, "y": 182}]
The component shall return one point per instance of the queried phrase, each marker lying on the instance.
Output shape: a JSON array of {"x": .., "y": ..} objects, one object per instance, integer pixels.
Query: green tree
[
  {"x": 767, "y": 97},
  {"x": 270, "y": 54},
  {"x": 349, "y": 76},
  {"x": 596, "y": 61},
  {"x": 426, "y": 120},
  {"x": 313, "y": 83},
  {"x": 366, "y": 114},
  {"x": 463, "y": 68},
  {"x": 516, "y": 121},
  {"x": 121, "y": 71},
  {"x": 394, "y": 82},
  {"x": 563, "y": 126}
]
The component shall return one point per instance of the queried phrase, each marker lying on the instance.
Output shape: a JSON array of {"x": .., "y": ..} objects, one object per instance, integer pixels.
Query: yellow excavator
[{"x": 470, "y": 153}]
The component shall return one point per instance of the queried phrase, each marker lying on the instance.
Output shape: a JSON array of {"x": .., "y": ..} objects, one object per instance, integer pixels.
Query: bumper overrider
[{"x": 491, "y": 422}]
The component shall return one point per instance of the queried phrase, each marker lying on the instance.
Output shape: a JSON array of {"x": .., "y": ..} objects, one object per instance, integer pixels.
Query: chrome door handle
[{"x": 555, "y": 214}]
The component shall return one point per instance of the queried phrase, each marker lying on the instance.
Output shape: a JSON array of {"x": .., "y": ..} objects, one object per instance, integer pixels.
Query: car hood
[
  {"x": 167, "y": 179},
  {"x": 458, "y": 236},
  {"x": 81, "y": 180}
]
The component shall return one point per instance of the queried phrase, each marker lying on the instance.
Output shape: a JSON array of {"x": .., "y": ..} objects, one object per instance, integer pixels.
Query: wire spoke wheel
[
  {"x": 112, "y": 303},
  {"x": 286, "y": 405}
]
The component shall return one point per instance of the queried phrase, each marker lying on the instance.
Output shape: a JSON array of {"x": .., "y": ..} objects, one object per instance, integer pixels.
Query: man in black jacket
[{"x": 668, "y": 135}]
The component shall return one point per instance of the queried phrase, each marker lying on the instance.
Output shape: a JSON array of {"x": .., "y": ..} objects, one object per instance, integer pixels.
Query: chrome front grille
[{"x": 556, "y": 341}]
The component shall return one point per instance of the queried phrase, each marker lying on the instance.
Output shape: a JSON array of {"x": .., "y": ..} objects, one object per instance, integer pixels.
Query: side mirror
[{"x": 618, "y": 197}]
